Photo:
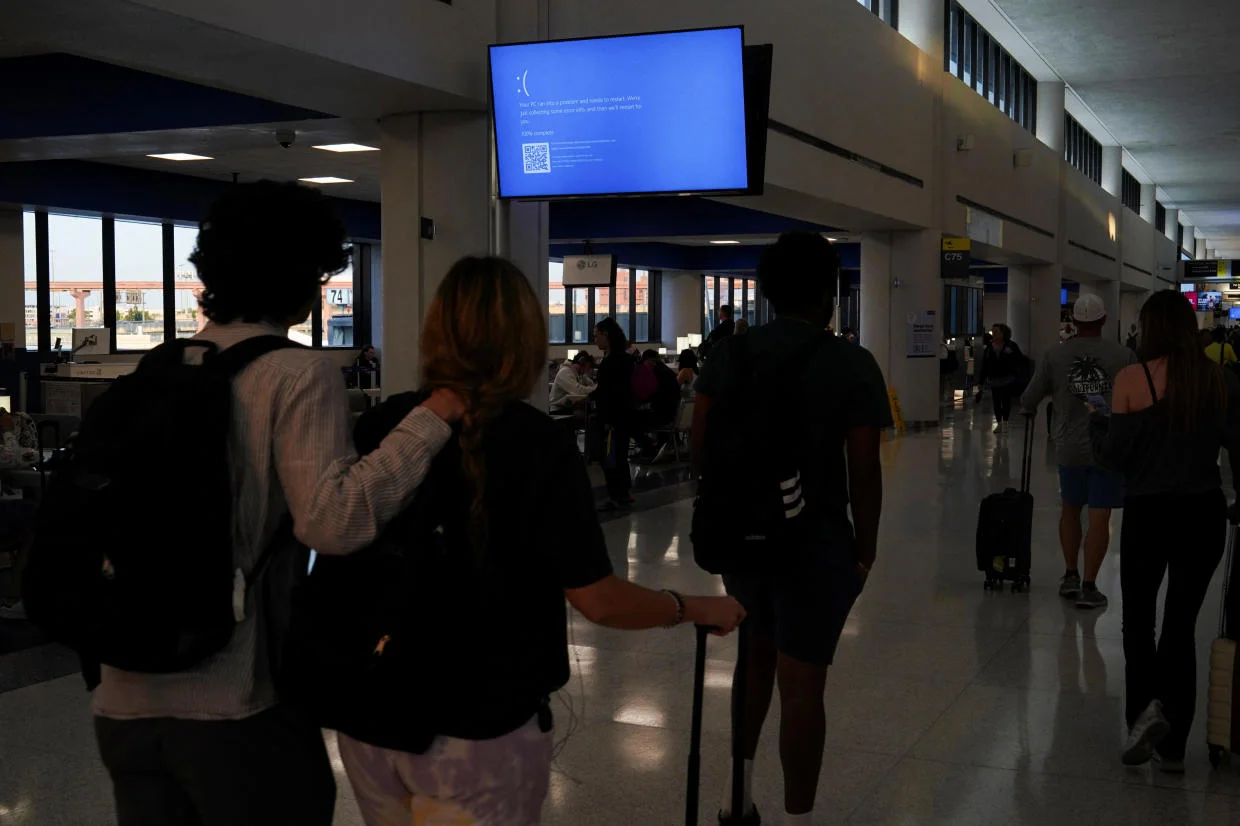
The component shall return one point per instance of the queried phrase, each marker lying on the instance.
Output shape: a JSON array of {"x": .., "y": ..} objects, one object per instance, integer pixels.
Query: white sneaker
[
  {"x": 12, "y": 610},
  {"x": 998, "y": 428},
  {"x": 1150, "y": 729}
]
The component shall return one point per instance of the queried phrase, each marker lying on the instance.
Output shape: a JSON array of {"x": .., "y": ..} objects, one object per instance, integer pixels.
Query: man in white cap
[{"x": 1076, "y": 373}]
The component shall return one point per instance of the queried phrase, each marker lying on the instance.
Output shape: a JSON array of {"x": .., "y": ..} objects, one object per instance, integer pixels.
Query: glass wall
[
  {"x": 624, "y": 307},
  {"x": 189, "y": 316},
  {"x": 139, "y": 285},
  {"x": 337, "y": 297},
  {"x": 741, "y": 294},
  {"x": 583, "y": 326},
  {"x": 557, "y": 315},
  {"x": 573, "y": 312},
  {"x": 75, "y": 253},
  {"x": 642, "y": 304}
]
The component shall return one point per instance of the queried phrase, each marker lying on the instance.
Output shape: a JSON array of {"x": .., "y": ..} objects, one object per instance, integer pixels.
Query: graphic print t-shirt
[{"x": 1071, "y": 372}]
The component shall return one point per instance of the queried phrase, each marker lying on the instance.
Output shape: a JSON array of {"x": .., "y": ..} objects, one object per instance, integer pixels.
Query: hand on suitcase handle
[{"x": 721, "y": 615}]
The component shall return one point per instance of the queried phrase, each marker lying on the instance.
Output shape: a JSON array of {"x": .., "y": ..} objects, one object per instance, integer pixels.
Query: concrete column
[
  {"x": 13, "y": 275},
  {"x": 1149, "y": 200},
  {"x": 1112, "y": 169},
  {"x": 899, "y": 281},
  {"x": 1172, "y": 227},
  {"x": 1109, "y": 292},
  {"x": 1190, "y": 236},
  {"x": 436, "y": 166},
  {"x": 922, "y": 22},
  {"x": 683, "y": 306},
  {"x": 1018, "y": 306},
  {"x": 1130, "y": 304},
  {"x": 1211, "y": 255},
  {"x": 1050, "y": 122},
  {"x": 1045, "y": 282},
  {"x": 1199, "y": 249}
]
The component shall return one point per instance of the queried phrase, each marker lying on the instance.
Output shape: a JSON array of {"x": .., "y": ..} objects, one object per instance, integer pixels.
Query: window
[
  {"x": 641, "y": 307},
  {"x": 1160, "y": 217},
  {"x": 583, "y": 325},
  {"x": 135, "y": 277},
  {"x": 1179, "y": 235},
  {"x": 75, "y": 254},
  {"x": 746, "y": 300},
  {"x": 977, "y": 59},
  {"x": 624, "y": 309},
  {"x": 557, "y": 312},
  {"x": 336, "y": 329},
  {"x": 1084, "y": 153},
  {"x": 1131, "y": 192},
  {"x": 29, "y": 245},
  {"x": 887, "y": 10},
  {"x": 187, "y": 288},
  {"x": 139, "y": 285}
]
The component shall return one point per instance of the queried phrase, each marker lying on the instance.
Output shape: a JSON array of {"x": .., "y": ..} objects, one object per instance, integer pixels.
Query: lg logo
[{"x": 587, "y": 263}]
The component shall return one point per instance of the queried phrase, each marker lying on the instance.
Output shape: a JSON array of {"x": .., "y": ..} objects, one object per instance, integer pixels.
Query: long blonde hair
[{"x": 485, "y": 338}]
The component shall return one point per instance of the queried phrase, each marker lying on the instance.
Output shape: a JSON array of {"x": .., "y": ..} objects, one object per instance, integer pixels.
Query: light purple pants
[{"x": 500, "y": 782}]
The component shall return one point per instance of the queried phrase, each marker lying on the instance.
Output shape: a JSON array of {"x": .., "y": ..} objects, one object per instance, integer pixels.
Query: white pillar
[
  {"x": 1050, "y": 120},
  {"x": 683, "y": 307},
  {"x": 1190, "y": 238},
  {"x": 1149, "y": 201},
  {"x": 436, "y": 166},
  {"x": 1199, "y": 249},
  {"x": 1113, "y": 170},
  {"x": 13, "y": 276},
  {"x": 899, "y": 281},
  {"x": 922, "y": 22},
  {"x": 1018, "y": 306},
  {"x": 1172, "y": 227},
  {"x": 1045, "y": 282}
]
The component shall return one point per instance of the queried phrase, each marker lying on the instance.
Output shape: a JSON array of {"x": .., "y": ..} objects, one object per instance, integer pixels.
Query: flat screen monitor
[
  {"x": 1233, "y": 313},
  {"x": 1192, "y": 298},
  {"x": 1209, "y": 300},
  {"x": 639, "y": 114},
  {"x": 1063, "y": 296},
  {"x": 1188, "y": 288}
]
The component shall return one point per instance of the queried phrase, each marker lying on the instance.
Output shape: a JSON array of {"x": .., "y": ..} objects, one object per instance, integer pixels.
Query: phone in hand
[{"x": 1098, "y": 404}]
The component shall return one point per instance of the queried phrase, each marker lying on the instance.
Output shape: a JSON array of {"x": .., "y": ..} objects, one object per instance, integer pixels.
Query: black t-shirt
[{"x": 496, "y": 625}]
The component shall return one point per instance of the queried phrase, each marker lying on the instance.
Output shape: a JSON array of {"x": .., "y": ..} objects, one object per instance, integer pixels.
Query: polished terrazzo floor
[{"x": 947, "y": 705}]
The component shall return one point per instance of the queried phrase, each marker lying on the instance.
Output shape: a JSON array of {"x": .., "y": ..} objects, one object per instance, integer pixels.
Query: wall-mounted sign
[
  {"x": 956, "y": 257},
  {"x": 921, "y": 342},
  {"x": 1199, "y": 270},
  {"x": 340, "y": 296}
]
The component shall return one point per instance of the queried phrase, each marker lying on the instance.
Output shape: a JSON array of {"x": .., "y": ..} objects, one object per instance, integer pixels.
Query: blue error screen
[{"x": 620, "y": 115}]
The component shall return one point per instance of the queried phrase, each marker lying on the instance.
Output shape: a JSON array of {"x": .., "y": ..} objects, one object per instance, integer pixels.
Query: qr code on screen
[{"x": 537, "y": 158}]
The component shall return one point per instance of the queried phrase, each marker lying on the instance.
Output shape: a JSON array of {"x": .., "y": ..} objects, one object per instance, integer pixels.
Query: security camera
[{"x": 286, "y": 137}]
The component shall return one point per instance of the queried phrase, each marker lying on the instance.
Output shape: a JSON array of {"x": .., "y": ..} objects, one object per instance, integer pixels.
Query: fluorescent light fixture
[
  {"x": 327, "y": 179},
  {"x": 724, "y": 243},
  {"x": 347, "y": 147},
  {"x": 181, "y": 156},
  {"x": 833, "y": 240}
]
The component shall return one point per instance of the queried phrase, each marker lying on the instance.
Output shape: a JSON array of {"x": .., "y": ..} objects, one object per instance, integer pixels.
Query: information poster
[{"x": 921, "y": 343}]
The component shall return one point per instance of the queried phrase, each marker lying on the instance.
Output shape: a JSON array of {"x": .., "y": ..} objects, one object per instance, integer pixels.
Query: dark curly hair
[
  {"x": 800, "y": 269},
  {"x": 264, "y": 250}
]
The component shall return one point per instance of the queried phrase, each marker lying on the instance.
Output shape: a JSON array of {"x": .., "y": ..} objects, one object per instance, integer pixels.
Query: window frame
[
  {"x": 977, "y": 59},
  {"x": 595, "y": 314}
]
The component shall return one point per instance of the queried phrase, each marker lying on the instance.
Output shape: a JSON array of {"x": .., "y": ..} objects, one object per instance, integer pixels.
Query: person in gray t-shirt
[{"x": 1081, "y": 370}]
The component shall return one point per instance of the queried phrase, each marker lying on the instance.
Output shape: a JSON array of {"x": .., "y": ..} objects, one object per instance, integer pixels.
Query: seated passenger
[
  {"x": 213, "y": 746},
  {"x": 504, "y": 573},
  {"x": 573, "y": 385},
  {"x": 1172, "y": 414},
  {"x": 687, "y": 371}
]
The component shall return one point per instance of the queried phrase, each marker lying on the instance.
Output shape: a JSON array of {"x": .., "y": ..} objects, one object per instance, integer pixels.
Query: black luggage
[
  {"x": 695, "y": 736},
  {"x": 1005, "y": 528}
]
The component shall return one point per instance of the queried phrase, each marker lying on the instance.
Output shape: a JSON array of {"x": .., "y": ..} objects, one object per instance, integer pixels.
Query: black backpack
[
  {"x": 750, "y": 509},
  {"x": 132, "y": 562}
]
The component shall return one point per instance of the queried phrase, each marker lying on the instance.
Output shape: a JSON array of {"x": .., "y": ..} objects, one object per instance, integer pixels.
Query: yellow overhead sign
[{"x": 957, "y": 245}]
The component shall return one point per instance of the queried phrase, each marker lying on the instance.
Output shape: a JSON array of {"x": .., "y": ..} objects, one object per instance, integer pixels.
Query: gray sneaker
[
  {"x": 1070, "y": 586},
  {"x": 1150, "y": 729},
  {"x": 1091, "y": 598}
]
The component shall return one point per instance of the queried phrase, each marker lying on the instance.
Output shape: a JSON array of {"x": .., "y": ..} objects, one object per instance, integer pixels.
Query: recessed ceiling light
[
  {"x": 347, "y": 147},
  {"x": 181, "y": 156},
  {"x": 327, "y": 179},
  {"x": 724, "y": 243},
  {"x": 833, "y": 240}
]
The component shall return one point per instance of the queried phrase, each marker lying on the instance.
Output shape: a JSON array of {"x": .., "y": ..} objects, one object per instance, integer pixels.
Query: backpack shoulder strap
[{"x": 239, "y": 356}]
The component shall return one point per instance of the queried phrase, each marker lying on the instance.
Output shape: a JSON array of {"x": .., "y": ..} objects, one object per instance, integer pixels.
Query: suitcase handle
[
  {"x": 1026, "y": 457},
  {"x": 1228, "y": 562},
  {"x": 695, "y": 742}
]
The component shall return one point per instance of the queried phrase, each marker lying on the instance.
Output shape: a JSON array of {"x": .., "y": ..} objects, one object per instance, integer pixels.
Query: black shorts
[{"x": 803, "y": 606}]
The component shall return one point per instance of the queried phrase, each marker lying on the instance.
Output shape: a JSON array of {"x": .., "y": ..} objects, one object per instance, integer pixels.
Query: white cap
[{"x": 1089, "y": 308}]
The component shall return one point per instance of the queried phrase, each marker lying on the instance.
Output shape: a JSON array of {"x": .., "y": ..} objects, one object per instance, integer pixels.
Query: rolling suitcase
[
  {"x": 1005, "y": 528},
  {"x": 1223, "y": 701},
  {"x": 695, "y": 735}
]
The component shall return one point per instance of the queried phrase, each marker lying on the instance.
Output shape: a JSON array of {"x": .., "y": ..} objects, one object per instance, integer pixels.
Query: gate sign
[
  {"x": 956, "y": 258},
  {"x": 340, "y": 296}
]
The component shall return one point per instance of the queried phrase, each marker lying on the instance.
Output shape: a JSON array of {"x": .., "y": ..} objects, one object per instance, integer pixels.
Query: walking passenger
[
  {"x": 213, "y": 746},
  {"x": 1172, "y": 414},
  {"x": 1002, "y": 367},
  {"x": 484, "y": 702},
  {"x": 836, "y": 398},
  {"x": 1081, "y": 369},
  {"x": 617, "y": 409}
]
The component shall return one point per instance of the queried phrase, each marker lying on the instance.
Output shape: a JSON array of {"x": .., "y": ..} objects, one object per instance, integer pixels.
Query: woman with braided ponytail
[{"x": 492, "y": 595}]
